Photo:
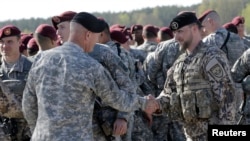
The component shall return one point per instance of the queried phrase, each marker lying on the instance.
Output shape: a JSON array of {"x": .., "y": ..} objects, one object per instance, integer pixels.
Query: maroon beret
[
  {"x": 32, "y": 46},
  {"x": 118, "y": 36},
  {"x": 167, "y": 30},
  {"x": 9, "y": 30},
  {"x": 238, "y": 20},
  {"x": 24, "y": 39},
  {"x": 65, "y": 16},
  {"x": 127, "y": 33},
  {"x": 231, "y": 27},
  {"x": 46, "y": 31},
  {"x": 150, "y": 28},
  {"x": 117, "y": 26},
  {"x": 136, "y": 27},
  {"x": 204, "y": 14}
]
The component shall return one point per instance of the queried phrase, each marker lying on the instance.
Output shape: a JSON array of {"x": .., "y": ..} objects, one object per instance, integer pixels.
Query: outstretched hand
[{"x": 151, "y": 107}]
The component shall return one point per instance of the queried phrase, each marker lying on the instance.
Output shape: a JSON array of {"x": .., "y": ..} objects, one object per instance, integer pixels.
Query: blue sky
[{"x": 47, "y": 8}]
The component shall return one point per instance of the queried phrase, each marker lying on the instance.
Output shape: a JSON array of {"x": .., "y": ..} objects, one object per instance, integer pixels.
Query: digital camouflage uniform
[
  {"x": 59, "y": 96},
  {"x": 246, "y": 40},
  {"x": 137, "y": 78},
  {"x": 147, "y": 47},
  {"x": 199, "y": 91},
  {"x": 234, "y": 49},
  {"x": 112, "y": 62},
  {"x": 148, "y": 87},
  {"x": 138, "y": 54},
  {"x": 163, "y": 58},
  {"x": 13, "y": 82},
  {"x": 239, "y": 71}
]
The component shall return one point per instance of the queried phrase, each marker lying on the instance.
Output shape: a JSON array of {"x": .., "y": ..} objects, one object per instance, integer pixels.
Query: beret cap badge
[
  {"x": 7, "y": 31},
  {"x": 174, "y": 25},
  {"x": 56, "y": 19}
]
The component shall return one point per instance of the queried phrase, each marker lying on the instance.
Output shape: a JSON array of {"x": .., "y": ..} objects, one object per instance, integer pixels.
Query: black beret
[
  {"x": 183, "y": 19},
  {"x": 89, "y": 21},
  {"x": 8, "y": 31}
]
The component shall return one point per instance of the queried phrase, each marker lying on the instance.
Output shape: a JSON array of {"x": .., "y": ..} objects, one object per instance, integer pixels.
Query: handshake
[{"x": 151, "y": 107}]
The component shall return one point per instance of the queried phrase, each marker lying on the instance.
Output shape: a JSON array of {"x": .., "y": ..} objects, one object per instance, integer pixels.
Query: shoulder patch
[{"x": 215, "y": 69}]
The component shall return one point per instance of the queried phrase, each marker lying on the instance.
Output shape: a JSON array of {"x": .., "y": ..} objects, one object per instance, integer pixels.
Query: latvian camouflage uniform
[
  {"x": 199, "y": 91},
  {"x": 13, "y": 82},
  {"x": 234, "y": 48},
  {"x": 239, "y": 71},
  {"x": 112, "y": 62}
]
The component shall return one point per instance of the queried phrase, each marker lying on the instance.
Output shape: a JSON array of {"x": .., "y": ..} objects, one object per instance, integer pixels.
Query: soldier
[
  {"x": 32, "y": 47},
  {"x": 216, "y": 35},
  {"x": 63, "y": 83},
  {"x": 164, "y": 34},
  {"x": 117, "y": 120},
  {"x": 198, "y": 81},
  {"x": 241, "y": 71},
  {"x": 149, "y": 34},
  {"x": 24, "y": 39},
  {"x": 61, "y": 24},
  {"x": 239, "y": 22},
  {"x": 13, "y": 71},
  {"x": 227, "y": 41},
  {"x": 140, "y": 130},
  {"x": 136, "y": 32},
  {"x": 45, "y": 38}
]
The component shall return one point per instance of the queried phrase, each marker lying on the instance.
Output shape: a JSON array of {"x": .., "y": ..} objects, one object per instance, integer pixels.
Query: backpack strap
[{"x": 224, "y": 47}]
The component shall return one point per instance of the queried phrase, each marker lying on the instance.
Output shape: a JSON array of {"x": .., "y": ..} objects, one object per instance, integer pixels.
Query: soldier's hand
[
  {"x": 120, "y": 127},
  {"x": 152, "y": 106}
]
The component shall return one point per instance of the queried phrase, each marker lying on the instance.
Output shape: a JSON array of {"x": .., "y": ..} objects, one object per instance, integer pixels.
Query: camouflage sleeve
[
  {"x": 155, "y": 66},
  {"x": 29, "y": 103},
  {"x": 10, "y": 102},
  {"x": 241, "y": 67},
  {"x": 108, "y": 91},
  {"x": 214, "y": 39},
  {"x": 118, "y": 71},
  {"x": 3, "y": 103},
  {"x": 169, "y": 88},
  {"x": 140, "y": 75},
  {"x": 217, "y": 72},
  {"x": 123, "y": 115}
]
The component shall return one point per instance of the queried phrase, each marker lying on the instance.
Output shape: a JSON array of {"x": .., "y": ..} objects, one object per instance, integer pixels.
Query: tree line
[{"x": 158, "y": 16}]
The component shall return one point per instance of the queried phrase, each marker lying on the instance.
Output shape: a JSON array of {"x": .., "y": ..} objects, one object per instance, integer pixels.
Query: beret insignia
[
  {"x": 56, "y": 19},
  {"x": 174, "y": 25},
  {"x": 7, "y": 31}
]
